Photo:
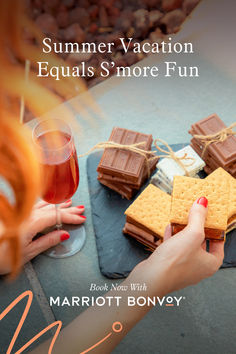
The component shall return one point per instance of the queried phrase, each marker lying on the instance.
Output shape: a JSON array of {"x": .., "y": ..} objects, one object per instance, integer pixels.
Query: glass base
[{"x": 71, "y": 246}]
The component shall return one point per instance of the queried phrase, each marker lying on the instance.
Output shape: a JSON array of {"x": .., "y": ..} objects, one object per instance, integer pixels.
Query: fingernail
[
  {"x": 83, "y": 216},
  {"x": 80, "y": 206},
  {"x": 64, "y": 237},
  {"x": 202, "y": 201},
  {"x": 68, "y": 201}
]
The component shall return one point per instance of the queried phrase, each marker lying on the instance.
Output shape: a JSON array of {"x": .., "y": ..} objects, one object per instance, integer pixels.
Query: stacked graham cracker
[
  {"x": 148, "y": 216},
  {"x": 221, "y": 174},
  {"x": 125, "y": 171}
]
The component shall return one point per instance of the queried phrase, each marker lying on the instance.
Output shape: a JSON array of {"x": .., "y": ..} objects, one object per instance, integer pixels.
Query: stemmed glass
[{"x": 60, "y": 172}]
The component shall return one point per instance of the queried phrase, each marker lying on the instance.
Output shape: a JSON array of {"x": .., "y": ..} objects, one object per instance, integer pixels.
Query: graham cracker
[
  {"x": 151, "y": 209},
  {"x": 186, "y": 190},
  {"x": 221, "y": 174}
]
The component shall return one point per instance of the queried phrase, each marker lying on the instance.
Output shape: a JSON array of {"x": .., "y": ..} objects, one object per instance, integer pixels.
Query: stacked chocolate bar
[
  {"x": 125, "y": 171},
  {"x": 217, "y": 154}
]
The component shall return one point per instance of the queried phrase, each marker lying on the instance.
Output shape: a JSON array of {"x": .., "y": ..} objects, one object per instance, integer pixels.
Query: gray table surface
[{"x": 205, "y": 323}]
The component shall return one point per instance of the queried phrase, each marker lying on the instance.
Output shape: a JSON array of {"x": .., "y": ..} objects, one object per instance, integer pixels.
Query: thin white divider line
[{"x": 39, "y": 294}]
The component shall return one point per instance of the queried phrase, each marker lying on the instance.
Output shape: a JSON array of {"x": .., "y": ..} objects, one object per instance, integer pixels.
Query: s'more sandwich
[
  {"x": 148, "y": 216},
  {"x": 221, "y": 174},
  {"x": 186, "y": 190}
]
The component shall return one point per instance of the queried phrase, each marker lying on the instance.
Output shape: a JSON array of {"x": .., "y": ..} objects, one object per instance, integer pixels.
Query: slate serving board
[{"x": 119, "y": 254}]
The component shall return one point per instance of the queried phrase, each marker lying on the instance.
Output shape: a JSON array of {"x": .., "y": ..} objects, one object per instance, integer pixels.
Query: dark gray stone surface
[{"x": 117, "y": 253}]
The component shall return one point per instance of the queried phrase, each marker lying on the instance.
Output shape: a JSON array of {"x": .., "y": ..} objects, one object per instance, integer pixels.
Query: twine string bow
[
  {"x": 218, "y": 137},
  {"x": 169, "y": 153},
  {"x": 147, "y": 154}
]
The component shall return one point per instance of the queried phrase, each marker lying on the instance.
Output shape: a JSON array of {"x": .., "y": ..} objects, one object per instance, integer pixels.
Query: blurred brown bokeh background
[{"x": 106, "y": 21}]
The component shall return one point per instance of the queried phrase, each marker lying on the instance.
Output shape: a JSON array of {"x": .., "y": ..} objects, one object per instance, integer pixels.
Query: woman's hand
[
  {"x": 43, "y": 216},
  {"x": 182, "y": 259}
]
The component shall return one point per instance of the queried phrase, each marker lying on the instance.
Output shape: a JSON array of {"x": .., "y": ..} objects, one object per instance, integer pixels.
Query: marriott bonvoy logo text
[
  {"x": 168, "y": 301},
  {"x": 109, "y": 300}
]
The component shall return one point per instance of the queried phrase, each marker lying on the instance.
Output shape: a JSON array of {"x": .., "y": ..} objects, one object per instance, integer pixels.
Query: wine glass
[{"x": 60, "y": 172}]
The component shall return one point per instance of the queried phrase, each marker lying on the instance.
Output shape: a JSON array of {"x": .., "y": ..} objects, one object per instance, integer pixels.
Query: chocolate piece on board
[
  {"x": 199, "y": 149},
  {"x": 126, "y": 190},
  {"x": 208, "y": 158},
  {"x": 224, "y": 151},
  {"x": 115, "y": 179},
  {"x": 121, "y": 163},
  {"x": 122, "y": 189},
  {"x": 212, "y": 164}
]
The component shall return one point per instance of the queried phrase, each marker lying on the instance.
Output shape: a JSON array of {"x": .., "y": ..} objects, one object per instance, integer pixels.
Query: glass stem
[{"x": 58, "y": 217}]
